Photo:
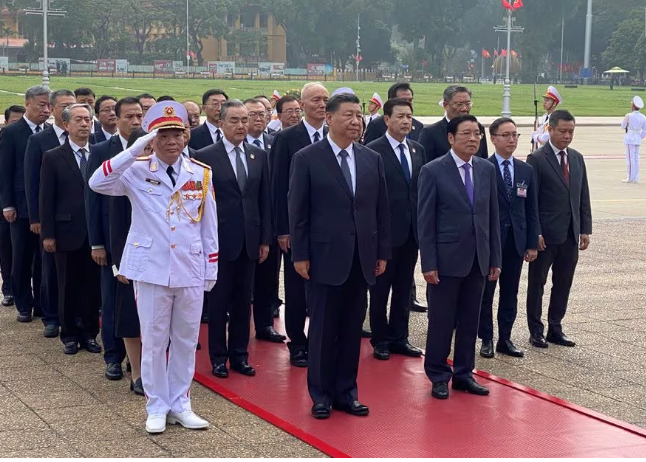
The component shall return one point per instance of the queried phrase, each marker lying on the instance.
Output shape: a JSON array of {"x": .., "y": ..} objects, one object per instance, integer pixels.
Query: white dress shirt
[
  {"x": 558, "y": 158},
  {"x": 500, "y": 160},
  {"x": 230, "y": 148},
  {"x": 213, "y": 130},
  {"x": 77, "y": 155},
  {"x": 351, "y": 161},
  {"x": 459, "y": 162},
  {"x": 251, "y": 139},
  {"x": 124, "y": 142},
  {"x": 311, "y": 130},
  {"x": 107, "y": 135},
  {"x": 33, "y": 125},
  {"x": 60, "y": 134},
  {"x": 395, "y": 145},
  {"x": 176, "y": 167}
]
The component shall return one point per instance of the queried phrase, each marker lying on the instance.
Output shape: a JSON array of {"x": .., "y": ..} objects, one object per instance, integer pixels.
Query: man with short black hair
[
  {"x": 194, "y": 113},
  {"x": 86, "y": 95},
  {"x": 377, "y": 127},
  {"x": 209, "y": 132},
  {"x": 146, "y": 101},
  {"x": 289, "y": 111},
  {"x": 104, "y": 109},
  {"x": 13, "y": 114}
]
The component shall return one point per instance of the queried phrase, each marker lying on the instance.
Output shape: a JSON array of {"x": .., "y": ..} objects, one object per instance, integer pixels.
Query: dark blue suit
[
  {"x": 200, "y": 137},
  {"x": 461, "y": 241},
  {"x": 98, "y": 136},
  {"x": 377, "y": 128},
  {"x": 98, "y": 218},
  {"x": 26, "y": 260},
  {"x": 342, "y": 235},
  {"x": 518, "y": 233}
]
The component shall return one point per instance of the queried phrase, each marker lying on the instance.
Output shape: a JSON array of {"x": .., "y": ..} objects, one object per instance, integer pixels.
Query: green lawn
[{"x": 582, "y": 101}]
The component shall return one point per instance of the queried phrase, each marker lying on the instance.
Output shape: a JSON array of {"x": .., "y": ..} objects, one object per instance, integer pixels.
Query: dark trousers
[
  {"x": 512, "y": 266},
  {"x": 79, "y": 296},
  {"x": 398, "y": 276},
  {"x": 562, "y": 258},
  {"x": 295, "y": 306},
  {"x": 114, "y": 350},
  {"x": 49, "y": 288},
  {"x": 336, "y": 318},
  {"x": 233, "y": 290},
  {"x": 453, "y": 299},
  {"x": 5, "y": 256},
  {"x": 265, "y": 291},
  {"x": 26, "y": 267}
]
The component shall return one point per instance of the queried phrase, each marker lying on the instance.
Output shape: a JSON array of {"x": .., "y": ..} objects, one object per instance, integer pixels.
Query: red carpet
[{"x": 404, "y": 421}]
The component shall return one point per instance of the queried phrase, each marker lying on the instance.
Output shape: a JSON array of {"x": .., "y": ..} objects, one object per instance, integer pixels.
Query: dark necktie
[
  {"x": 65, "y": 134},
  {"x": 170, "y": 172},
  {"x": 257, "y": 143},
  {"x": 507, "y": 177},
  {"x": 317, "y": 137},
  {"x": 83, "y": 163},
  {"x": 37, "y": 129},
  {"x": 468, "y": 184},
  {"x": 218, "y": 135},
  {"x": 345, "y": 169},
  {"x": 404, "y": 161},
  {"x": 240, "y": 170},
  {"x": 566, "y": 171}
]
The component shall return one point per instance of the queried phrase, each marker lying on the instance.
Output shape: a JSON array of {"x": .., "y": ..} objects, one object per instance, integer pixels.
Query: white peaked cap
[{"x": 638, "y": 102}]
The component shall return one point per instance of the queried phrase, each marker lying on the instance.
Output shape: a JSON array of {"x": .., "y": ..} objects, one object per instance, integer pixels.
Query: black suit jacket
[
  {"x": 452, "y": 232},
  {"x": 99, "y": 136},
  {"x": 97, "y": 205},
  {"x": 286, "y": 144},
  {"x": 62, "y": 202},
  {"x": 561, "y": 208},
  {"x": 435, "y": 140},
  {"x": 13, "y": 145},
  {"x": 520, "y": 215},
  {"x": 37, "y": 145},
  {"x": 200, "y": 137},
  {"x": 244, "y": 217},
  {"x": 401, "y": 195},
  {"x": 326, "y": 221},
  {"x": 377, "y": 128}
]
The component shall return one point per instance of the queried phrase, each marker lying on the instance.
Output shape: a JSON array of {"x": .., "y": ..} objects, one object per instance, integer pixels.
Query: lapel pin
[
  {"x": 153, "y": 167},
  {"x": 269, "y": 146},
  {"x": 414, "y": 151},
  {"x": 253, "y": 156}
]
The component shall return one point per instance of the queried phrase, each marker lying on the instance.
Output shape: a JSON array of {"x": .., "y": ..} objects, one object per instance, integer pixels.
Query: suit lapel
[
  {"x": 225, "y": 164},
  {"x": 70, "y": 160},
  {"x": 479, "y": 181},
  {"x": 416, "y": 159},
  {"x": 502, "y": 187},
  {"x": 328, "y": 159},
  {"x": 394, "y": 156},
  {"x": 551, "y": 158},
  {"x": 455, "y": 177},
  {"x": 253, "y": 165}
]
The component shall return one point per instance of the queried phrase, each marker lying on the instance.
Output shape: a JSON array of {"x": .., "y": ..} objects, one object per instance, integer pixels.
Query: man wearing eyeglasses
[
  {"x": 210, "y": 131},
  {"x": 518, "y": 206},
  {"x": 459, "y": 240},
  {"x": 457, "y": 102},
  {"x": 105, "y": 110}
]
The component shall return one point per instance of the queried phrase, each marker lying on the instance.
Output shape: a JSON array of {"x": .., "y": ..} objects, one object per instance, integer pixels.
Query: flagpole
[{"x": 506, "y": 93}]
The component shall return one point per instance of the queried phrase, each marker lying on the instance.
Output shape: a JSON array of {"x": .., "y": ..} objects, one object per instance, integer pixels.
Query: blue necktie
[
  {"x": 257, "y": 143},
  {"x": 345, "y": 169},
  {"x": 468, "y": 184},
  {"x": 507, "y": 177},
  {"x": 404, "y": 161},
  {"x": 83, "y": 163},
  {"x": 317, "y": 137}
]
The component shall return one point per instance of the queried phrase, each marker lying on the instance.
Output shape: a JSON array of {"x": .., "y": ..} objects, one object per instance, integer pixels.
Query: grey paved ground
[{"x": 85, "y": 415}]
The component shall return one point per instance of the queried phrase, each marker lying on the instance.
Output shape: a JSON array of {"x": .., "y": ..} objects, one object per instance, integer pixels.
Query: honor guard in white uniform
[
  {"x": 171, "y": 254},
  {"x": 635, "y": 126},
  {"x": 551, "y": 100},
  {"x": 374, "y": 105}
]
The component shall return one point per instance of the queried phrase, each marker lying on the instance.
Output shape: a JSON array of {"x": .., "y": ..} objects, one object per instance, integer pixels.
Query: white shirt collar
[
  {"x": 176, "y": 165},
  {"x": 501, "y": 159},
  {"x": 337, "y": 149},
  {"x": 59, "y": 131},
  {"x": 557, "y": 150},
  {"x": 251, "y": 139},
  {"x": 212, "y": 128},
  {"x": 228, "y": 146},
  {"x": 108, "y": 135},
  {"x": 395, "y": 144},
  {"x": 31, "y": 124},
  {"x": 75, "y": 147},
  {"x": 459, "y": 162},
  {"x": 124, "y": 142},
  {"x": 311, "y": 130}
]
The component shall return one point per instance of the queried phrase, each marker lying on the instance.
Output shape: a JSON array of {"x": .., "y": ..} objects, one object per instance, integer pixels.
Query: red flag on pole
[
  {"x": 507, "y": 5},
  {"x": 517, "y": 4},
  {"x": 485, "y": 54}
]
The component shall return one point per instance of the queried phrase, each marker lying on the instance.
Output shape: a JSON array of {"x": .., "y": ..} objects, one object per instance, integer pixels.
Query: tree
[{"x": 627, "y": 46}]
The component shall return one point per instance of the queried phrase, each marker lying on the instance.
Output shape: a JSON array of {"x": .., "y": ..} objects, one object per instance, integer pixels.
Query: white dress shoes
[
  {"x": 187, "y": 419},
  {"x": 156, "y": 423}
]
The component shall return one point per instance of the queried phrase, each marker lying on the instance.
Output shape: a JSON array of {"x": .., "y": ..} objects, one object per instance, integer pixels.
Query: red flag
[
  {"x": 485, "y": 54},
  {"x": 517, "y": 4},
  {"x": 504, "y": 53},
  {"x": 507, "y": 5}
]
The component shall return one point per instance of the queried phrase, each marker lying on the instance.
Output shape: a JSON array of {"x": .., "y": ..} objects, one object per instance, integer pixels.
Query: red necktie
[{"x": 566, "y": 171}]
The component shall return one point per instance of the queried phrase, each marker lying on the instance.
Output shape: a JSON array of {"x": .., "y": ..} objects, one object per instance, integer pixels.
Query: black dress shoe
[
  {"x": 7, "y": 301},
  {"x": 243, "y": 368},
  {"x": 298, "y": 358},
  {"x": 92, "y": 346},
  {"x": 353, "y": 408},
  {"x": 381, "y": 353},
  {"x": 405, "y": 349},
  {"x": 70, "y": 348},
  {"x": 320, "y": 411},
  {"x": 22, "y": 317},
  {"x": 50, "y": 331},
  {"x": 440, "y": 390},
  {"x": 113, "y": 371},
  {"x": 269, "y": 334},
  {"x": 38, "y": 313},
  {"x": 506, "y": 347},
  {"x": 418, "y": 306},
  {"x": 538, "y": 341},
  {"x": 220, "y": 370},
  {"x": 486, "y": 349},
  {"x": 366, "y": 333},
  {"x": 470, "y": 386},
  {"x": 137, "y": 387},
  {"x": 559, "y": 339}
]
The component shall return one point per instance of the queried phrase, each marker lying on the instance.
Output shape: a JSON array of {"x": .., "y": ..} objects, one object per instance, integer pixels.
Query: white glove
[
  {"x": 208, "y": 285},
  {"x": 137, "y": 149}
]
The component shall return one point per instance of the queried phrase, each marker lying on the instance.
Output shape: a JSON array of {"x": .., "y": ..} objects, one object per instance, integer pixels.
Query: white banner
[
  {"x": 4, "y": 63},
  {"x": 222, "y": 67},
  {"x": 122, "y": 65}
]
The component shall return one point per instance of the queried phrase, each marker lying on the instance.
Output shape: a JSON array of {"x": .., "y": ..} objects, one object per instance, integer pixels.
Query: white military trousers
[{"x": 632, "y": 161}]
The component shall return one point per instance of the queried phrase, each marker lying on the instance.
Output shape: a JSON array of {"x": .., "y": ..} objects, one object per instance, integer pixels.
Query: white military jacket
[
  {"x": 173, "y": 238},
  {"x": 635, "y": 125}
]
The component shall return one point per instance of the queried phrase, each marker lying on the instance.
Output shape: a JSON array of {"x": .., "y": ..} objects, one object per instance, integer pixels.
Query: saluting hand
[
  {"x": 381, "y": 267},
  {"x": 303, "y": 268}
]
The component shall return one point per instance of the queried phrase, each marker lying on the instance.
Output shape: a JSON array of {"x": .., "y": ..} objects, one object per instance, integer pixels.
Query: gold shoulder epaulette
[
  {"x": 144, "y": 157},
  {"x": 201, "y": 164}
]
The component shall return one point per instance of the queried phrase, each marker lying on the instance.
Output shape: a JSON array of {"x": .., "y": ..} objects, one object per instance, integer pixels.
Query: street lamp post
[
  {"x": 45, "y": 11},
  {"x": 357, "y": 57},
  {"x": 506, "y": 93},
  {"x": 188, "y": 49}
]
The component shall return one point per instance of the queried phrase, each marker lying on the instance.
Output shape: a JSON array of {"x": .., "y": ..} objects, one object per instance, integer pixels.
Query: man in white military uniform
[
  {"x": 171, "y": 255},
  {"x": 635, "y": 126},
  {"x": 551, "y": 100},
  {"x": 374, "y": 105}
]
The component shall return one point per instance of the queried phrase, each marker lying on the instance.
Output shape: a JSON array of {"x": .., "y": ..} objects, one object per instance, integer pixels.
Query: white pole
[
  {"x": 356, "y": 57},
  {"x": 188, "y": 49},
  {"x": 588, "y": 36},
  {"x": 506, "y": 93},
  {"x": 45, "y": 58},
  {"x": 562, "y": 35}
]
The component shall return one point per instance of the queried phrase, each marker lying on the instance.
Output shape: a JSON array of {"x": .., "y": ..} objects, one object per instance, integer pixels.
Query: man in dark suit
[
  {"x": 106, "y": 127},
  {"x": 459, "y": 240},
  {"x": 146, "y": 101},
  {"x": 65, "y": 233},
  {"x": 129, "y": 116},
  {"x": 377, "y": 127},
  {"x": 457, "y": 102},
  {"x": 210, "y": 131},
  {"x": 403, "y": 160},
  {"x": 48, "y": 139},
  {"x": 311, "y": 129},
  {"x": 26, "y": 261},
  {"x": 340, "y": 227},
  {"x": 241, "y": 184},
  {"x": 518, "y": 209},
  {"x": 565, "y": 226},
  {"x": 265, "y": 291},
  {"x": 289, "y": 111}
]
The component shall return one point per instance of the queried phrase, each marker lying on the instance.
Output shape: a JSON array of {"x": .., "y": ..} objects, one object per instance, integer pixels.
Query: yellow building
[{"x": 11, "y": 34}]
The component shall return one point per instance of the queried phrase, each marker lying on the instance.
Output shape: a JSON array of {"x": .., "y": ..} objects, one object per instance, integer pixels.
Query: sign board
[
  {"x": 315, "y": 69},
  {"x": 585, "y": 73},
  {"x": 269, "y": 69},
  {"x": 121, "y": 65},
  {"x": 4, "y": 63},
  {"x": 106, "y": 65},
  {"x": 178, "y": 66},
  {"x": 163, "y": 66},
  {"x": 222, "y": 67},
  {"x": 60, "y": 66}
]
